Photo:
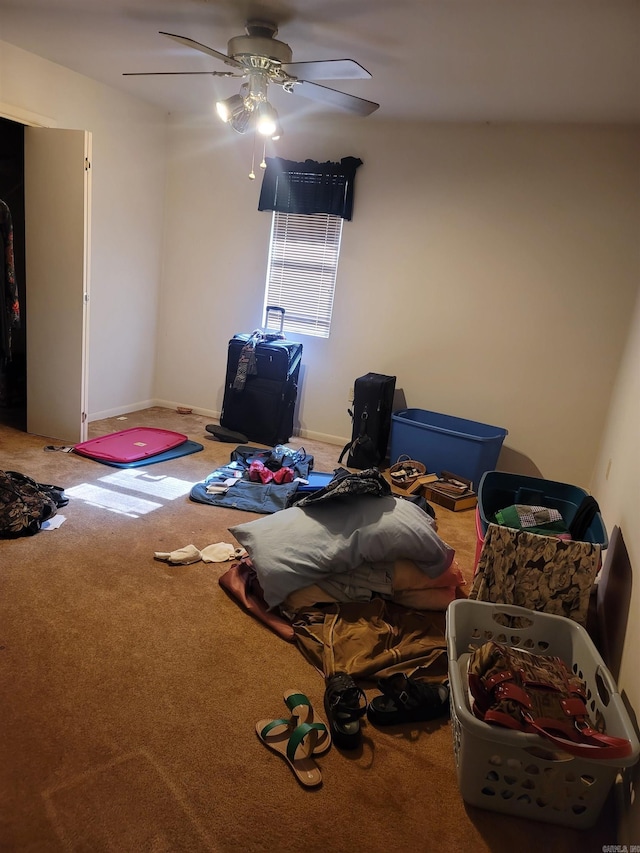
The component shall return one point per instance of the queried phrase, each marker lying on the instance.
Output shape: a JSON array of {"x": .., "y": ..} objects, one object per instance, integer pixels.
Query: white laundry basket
[{"x": 524, "y": 774}]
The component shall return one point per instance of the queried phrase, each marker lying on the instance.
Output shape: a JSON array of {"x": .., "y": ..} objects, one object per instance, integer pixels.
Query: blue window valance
[{"x": 309, "y": 187}]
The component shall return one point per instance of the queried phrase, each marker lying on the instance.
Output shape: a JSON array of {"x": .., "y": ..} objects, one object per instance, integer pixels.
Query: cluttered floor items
[
  {"x": 350, "y": 567},
  {"x": 341, "y": 553},
  {"x": 256, "y": 479},
  {"x": 363, "y": 560},
  {"x": 219, "y": 552},
  {"x": 340, "y": 590},
  {"x": 303, "y": 737},
  {"x": 25, "y": 505}
]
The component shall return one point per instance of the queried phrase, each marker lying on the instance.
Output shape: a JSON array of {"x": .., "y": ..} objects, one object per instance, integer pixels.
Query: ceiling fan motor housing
[{"x": 269, "y": 48}]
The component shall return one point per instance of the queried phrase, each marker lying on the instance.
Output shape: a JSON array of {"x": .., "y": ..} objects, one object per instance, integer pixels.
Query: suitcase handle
[{"x": 274, "y": 309}]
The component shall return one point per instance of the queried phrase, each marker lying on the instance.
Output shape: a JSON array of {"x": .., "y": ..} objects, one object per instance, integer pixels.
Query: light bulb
[
  {"x": 277, "y": 133},
  {"x": 266, "y": 119},
  {"x": 229, "y": 107},
  {"x": 223, "y": 111}
]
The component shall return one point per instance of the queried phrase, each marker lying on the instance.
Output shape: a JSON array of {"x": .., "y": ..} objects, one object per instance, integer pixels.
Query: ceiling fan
[{"x": 260, "y": 60}]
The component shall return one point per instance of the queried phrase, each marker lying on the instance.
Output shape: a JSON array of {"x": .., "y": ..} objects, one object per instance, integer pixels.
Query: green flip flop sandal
[
  {"x": 302, "y": 712},
  {"x": 295, "y": 746}
]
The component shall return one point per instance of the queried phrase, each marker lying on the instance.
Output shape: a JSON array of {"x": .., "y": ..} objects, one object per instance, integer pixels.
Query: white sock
[
  {"x": 183, "y": 556},
  {"x": 221, "y": 552}
]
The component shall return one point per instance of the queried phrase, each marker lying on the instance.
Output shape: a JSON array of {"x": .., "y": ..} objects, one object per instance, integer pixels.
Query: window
[{"x": 302, "y": 268}]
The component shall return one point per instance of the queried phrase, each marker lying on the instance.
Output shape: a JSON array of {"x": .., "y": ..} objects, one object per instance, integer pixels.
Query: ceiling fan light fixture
[
  {"x": 241, "y": 121},
  {"x": 278, "y": 131},
  {"x": 229, "y": 107},
  {"x": 267, "y": 122}
]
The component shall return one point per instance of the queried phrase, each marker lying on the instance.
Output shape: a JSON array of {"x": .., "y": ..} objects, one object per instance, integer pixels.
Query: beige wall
[
  {"x": 617, "y": 485},
  {"x": 492, "y": 269}
]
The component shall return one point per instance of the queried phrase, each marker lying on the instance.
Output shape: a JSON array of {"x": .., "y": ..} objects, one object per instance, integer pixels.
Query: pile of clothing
[{"x": 255, "y": 480}]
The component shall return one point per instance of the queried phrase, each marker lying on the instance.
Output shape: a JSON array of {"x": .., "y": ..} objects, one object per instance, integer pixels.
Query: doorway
[
  {"x": 45, "y": 172},
  {"x": 13, "y": 365}
]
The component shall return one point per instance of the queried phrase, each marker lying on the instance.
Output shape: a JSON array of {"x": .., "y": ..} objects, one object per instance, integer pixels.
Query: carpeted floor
[{"x": 131, "y": 689}]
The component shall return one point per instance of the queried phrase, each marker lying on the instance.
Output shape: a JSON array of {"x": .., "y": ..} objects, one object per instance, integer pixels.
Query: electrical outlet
[{"x": 351, "y": 395}]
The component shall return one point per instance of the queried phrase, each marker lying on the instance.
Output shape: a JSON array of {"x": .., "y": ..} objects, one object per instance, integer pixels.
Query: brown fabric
[
  {"x": 538, "y": 572},
  {"x": 241, "y": 582},
  {"x": 412, "y": 588},
  {"x": 372, "y": 639},
  {"x": 308, "y": 596},
  {"x": 426, "y": 599},
  {"x": 407, "y": 575},
  {"x": 437, "y": 598}
]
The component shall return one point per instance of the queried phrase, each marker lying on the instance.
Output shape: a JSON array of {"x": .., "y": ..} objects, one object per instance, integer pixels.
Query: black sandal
[
  {"x": 228, "y": 435},
  {"x": 405, "y": 700},
  {"x": 344, "y": 703}
]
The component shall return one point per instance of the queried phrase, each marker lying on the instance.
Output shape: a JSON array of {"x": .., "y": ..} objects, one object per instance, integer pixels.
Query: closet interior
[{"x": 13, "y": 350}]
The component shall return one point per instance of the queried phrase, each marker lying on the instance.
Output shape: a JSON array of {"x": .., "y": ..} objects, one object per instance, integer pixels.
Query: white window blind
[{"x": 302, "y": 268}]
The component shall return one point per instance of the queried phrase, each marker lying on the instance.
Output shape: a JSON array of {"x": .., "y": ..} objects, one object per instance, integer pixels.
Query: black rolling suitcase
[
  {"x": 371, "y": 415},
  {"x": 261, "y": 405}
]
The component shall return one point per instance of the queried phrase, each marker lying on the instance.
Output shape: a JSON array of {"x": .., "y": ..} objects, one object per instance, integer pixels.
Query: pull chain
[{"x": 252, "y": 174}]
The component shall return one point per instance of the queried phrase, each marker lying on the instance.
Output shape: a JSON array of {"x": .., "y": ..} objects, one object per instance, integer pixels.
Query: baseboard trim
[
  {"x": 321, "y": 436},
  {"x": 149, "y": 404},
  {"x": 313, "y": 435},
  {"x": 120, "y": 410},
  {"x": 174, "y": 404}
]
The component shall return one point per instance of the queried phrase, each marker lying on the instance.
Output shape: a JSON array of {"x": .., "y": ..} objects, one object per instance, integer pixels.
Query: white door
[{"x": 57, "y": 181}]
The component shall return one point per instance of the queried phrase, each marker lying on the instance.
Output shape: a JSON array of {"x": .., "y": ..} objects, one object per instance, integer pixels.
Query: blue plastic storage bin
[
  {"x": 445, "y": 443},
  {"x": 499, "y": 489}
]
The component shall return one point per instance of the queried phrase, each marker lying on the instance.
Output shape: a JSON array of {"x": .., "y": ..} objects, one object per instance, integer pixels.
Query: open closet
[{"x": 45, "y": 186}]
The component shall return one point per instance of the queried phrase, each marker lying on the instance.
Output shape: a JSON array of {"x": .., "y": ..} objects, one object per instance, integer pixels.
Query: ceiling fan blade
[
  {"x": 328, "y": 69},
  {"x": 159, "y": 73},
  {"x": 203, "y": 49},
  {"x": 315, "y": 92}
]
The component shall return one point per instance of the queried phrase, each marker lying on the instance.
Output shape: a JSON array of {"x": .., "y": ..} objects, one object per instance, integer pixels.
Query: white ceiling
[{"x": 442, "y": 60}]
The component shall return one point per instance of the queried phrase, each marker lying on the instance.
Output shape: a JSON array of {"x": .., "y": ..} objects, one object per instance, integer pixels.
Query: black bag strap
[
  {"x": 362, "y": 431},
  {"x": 344, "y": 450},
  {"x": 350, "y": 442}
]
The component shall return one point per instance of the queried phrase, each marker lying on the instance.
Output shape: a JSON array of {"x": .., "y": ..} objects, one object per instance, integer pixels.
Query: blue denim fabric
[{"x": 248, "y": 496}]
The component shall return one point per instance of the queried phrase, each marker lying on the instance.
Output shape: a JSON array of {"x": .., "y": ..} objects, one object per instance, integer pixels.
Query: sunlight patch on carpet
[
  {"x": 160, "y": 486},
  {"x": 113, "y": 501}
]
